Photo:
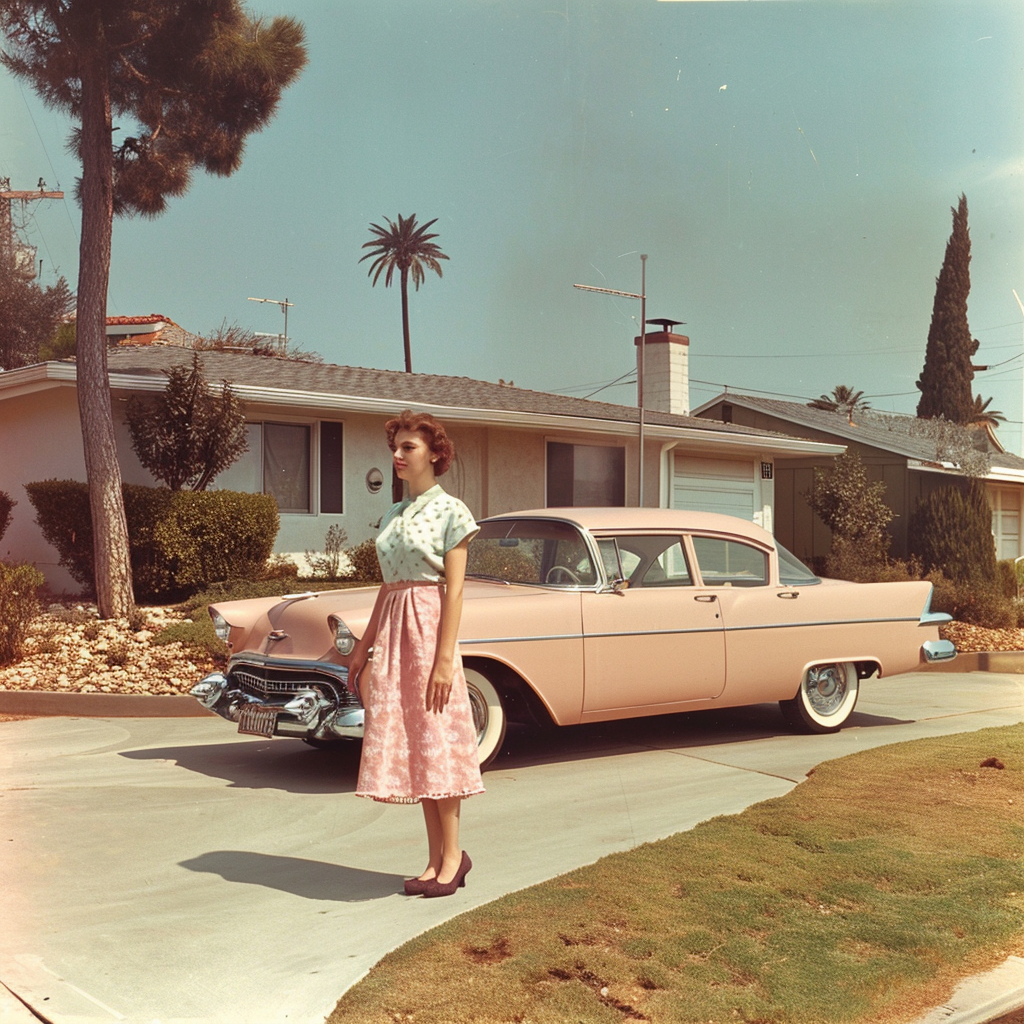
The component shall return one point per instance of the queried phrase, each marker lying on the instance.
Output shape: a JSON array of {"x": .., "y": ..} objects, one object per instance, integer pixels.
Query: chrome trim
[
  {"x": 210, "y": 689},
  {"x": 938, "y": 650},
  {"x": 670, "y": 632},
  {"x": 929, "y": 618}
]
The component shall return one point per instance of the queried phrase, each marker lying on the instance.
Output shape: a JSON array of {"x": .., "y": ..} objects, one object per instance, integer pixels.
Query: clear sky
[{"x": 788, "y": 167}]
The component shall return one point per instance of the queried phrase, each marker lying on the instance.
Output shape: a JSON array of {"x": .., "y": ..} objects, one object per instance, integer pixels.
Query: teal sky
[{"x": 788, "y": 167}]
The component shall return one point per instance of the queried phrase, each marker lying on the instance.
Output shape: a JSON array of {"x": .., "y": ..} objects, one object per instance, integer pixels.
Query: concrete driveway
[{"x": 169, "y": 870}]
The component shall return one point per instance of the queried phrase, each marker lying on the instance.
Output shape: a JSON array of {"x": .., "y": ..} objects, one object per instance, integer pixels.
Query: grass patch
[{"x": 857, "y": 898}]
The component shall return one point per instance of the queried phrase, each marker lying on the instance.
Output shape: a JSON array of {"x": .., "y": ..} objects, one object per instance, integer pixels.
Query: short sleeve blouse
[{"x": 417, "y": 533}]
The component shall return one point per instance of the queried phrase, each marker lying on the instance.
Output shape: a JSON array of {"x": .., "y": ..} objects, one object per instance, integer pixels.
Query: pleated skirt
[{"x": 409, "y": 753}]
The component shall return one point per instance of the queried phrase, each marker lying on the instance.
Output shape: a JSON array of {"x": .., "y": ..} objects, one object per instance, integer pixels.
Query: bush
[
  {"x": 951, "y": 530},
  {"x": 179, "y": 540},
  {"x": 365, "y": 566},
  {"x": 7, "y": 503},
  {"x": 973, "y": 601},
  {"x": 328, "y": 565},
  {"x": 18, "y": 606},
  {"x": 852, "y": 507}
]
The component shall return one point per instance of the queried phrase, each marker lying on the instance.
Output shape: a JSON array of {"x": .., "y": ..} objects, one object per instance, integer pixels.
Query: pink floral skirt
[{"x": 409, "y": 753}]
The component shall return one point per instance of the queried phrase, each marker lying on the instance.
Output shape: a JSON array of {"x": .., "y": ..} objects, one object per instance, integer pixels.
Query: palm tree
[
  {"x": 981, "y": 413},
  {"x": 407, "y": 247},
  {"x": 842, "y": 399}
]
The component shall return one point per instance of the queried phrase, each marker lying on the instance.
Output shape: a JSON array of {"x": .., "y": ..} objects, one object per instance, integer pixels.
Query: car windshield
[
  {"x": 540, "y": 552},
  {"x": 793, "y": 572}
]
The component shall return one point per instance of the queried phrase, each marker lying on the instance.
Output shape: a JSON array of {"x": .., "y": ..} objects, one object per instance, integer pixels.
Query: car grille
[{"x": 268, "y": 683}]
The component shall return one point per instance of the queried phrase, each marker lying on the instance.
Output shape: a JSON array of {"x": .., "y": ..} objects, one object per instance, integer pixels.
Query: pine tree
[
  {"x": 196, "y": 77},
  {"x": 945, "y": 381}
]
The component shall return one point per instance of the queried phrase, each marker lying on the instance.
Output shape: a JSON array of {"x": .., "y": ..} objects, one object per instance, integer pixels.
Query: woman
[{"x": 420, "y": 743}]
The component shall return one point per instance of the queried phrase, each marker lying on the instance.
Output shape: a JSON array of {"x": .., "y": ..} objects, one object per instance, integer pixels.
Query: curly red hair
[{"x": 430, "y": 429}]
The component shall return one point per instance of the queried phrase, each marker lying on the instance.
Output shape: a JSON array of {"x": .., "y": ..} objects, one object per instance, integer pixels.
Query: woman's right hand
[{"x": 356, "y": 667}]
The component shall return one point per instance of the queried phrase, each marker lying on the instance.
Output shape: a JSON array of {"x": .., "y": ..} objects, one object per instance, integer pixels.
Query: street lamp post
[{"x": 642, "y": 296}]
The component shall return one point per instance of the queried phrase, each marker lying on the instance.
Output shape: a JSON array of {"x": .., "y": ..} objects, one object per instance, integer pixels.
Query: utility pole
[{"x": 11, "y": 251}]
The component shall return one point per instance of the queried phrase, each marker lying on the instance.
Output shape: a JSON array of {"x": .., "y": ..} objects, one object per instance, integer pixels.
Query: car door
[
  {"x": 654, "y": 640},
  {"x": 763, "y": 651}
]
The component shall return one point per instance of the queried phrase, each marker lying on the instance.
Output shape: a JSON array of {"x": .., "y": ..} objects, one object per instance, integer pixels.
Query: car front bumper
[{"x": 276, "y": 697}]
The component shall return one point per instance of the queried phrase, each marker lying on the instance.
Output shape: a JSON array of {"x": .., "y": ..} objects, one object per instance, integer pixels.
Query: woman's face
[{"x": 413, "y": 458}]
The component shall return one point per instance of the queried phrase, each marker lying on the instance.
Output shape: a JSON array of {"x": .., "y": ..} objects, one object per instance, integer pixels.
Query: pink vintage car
[{"x": 588, "y": 614}]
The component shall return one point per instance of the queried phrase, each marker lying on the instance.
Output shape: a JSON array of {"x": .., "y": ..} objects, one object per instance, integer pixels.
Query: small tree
[
  {"x": 945, "y": 381},
  {"x": 190, "y": 433},
  {"x": 852, "y": 507},
  {"x": 29, "y": 314},
  {"x": 951, "y": 530}
]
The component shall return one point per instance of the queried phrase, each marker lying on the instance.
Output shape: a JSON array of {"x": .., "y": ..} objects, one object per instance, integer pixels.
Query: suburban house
[
  {"x": 316, "y": 442},
  {"x": 896, "y": 450}
]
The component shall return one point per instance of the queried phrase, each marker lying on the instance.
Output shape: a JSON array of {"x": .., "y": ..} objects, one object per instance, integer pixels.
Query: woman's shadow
[{"x": 310, "y": 879}]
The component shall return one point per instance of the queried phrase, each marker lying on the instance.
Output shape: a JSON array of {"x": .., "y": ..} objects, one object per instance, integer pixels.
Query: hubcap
[
  {"x": 481, "y": 713},
  {"x": 825, "y": 689}
]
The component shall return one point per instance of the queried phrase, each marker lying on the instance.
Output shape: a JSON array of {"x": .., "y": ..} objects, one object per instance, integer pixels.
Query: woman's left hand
[{"x": 439, "y": 689}]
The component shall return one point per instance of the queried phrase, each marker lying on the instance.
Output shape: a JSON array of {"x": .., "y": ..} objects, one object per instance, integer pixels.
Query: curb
[
  {"x": 45, "y": 703},
  {"x": 1004, "y": 662},
  {"x": 983, "y": 998}
]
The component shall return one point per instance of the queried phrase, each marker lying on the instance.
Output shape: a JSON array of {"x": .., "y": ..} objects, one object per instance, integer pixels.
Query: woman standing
[{"x": 420, "y": 743}]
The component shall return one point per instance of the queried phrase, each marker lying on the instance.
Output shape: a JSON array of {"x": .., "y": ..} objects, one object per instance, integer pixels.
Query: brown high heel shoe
[
  {"x": 436, "y": 888},
  {"x": 416, "y": 886}
]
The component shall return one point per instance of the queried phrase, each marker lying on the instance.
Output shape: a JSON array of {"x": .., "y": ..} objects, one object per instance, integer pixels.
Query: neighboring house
[
  {"x": 316, "y": 442},
  {"x": 894, "y": 451}
]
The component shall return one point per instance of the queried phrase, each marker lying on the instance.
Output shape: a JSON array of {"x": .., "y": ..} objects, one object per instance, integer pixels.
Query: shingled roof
[
  {"x": 890, "y": 433},
  {"x": 244, "y": 369}
]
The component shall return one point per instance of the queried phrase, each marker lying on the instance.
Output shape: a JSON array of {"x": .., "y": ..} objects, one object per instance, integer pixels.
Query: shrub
[
  {"x": 851, "y": 507},
  {"x": 328, "y": 565},
  {"x": 7, "y": 503},
  {"x": 365, "y": 566},
  {"x": 19, "y": 604},
  {"x": 951, "y": 530},
  {"x": 179, "y": 540}
]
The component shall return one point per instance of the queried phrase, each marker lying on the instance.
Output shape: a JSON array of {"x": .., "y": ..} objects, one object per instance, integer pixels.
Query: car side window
[
  {"x": 647, "y": 560},
  {"x": 730, "y": 563}
]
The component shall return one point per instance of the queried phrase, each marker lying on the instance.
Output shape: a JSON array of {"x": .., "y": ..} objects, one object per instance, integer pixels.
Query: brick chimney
[{"x": 667, "y": 369}]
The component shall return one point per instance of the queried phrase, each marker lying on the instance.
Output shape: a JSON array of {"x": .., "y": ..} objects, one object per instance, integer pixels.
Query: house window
[
  {"x": 286, "y": 465},
  {"x": 1006, "y": 521},
  {"x": 585, "y": 474},
  {"x": 331, "y": 465}
]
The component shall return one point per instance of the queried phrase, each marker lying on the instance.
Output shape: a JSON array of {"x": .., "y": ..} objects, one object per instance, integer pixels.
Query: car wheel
[
  {"x": 825, "y": 700},
  {"x": 488, "y": 715}
]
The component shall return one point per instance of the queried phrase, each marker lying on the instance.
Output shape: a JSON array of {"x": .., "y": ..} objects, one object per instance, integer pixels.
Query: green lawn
[{"x": 861, "y": 896}]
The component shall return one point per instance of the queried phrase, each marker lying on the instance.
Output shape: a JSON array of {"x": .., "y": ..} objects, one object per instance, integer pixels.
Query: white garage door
[{"x": 715, "y": 485}]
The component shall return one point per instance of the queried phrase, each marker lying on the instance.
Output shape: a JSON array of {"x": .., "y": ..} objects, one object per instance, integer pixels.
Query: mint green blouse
[{"x": 416, "y": 534}]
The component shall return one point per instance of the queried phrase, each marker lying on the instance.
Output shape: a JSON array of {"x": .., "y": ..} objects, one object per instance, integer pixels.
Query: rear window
[{"x": 793, "y": 572}]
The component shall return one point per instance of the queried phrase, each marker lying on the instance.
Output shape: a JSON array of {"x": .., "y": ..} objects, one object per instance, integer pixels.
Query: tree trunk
[
  {"x": 405, "y": 319},
  {"x": 113, "y": 572}
]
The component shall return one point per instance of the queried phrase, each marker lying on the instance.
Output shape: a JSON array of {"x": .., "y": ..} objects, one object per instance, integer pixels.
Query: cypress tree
[
  {"x": 951, "y": 530},
  {"x": 945, "y": 381}
]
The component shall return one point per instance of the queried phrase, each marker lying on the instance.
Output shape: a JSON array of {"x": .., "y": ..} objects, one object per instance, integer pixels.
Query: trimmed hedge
[
  {"x": 7, "y": 503},
  {"x": 180, "y": 541}
]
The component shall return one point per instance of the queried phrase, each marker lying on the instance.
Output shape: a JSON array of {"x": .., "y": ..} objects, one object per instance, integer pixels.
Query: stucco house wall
[{"x": 502, "y": 435}]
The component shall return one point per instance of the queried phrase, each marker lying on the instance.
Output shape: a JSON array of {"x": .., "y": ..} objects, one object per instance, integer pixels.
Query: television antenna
[{"x": 285, "y": 305}]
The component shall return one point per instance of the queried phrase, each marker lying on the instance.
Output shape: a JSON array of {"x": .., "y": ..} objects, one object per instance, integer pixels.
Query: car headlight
[
  {"x": 220, "y": 625},
  {"x": 344, "y": 638}
]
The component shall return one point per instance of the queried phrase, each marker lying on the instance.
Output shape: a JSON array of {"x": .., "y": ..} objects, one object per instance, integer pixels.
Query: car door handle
[
  {"x": 792, "y": 595},
  {"x": 704, "y": 597}
]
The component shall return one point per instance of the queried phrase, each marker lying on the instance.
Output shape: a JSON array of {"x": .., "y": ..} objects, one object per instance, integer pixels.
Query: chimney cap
[{"x": 665, "y": 324}]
